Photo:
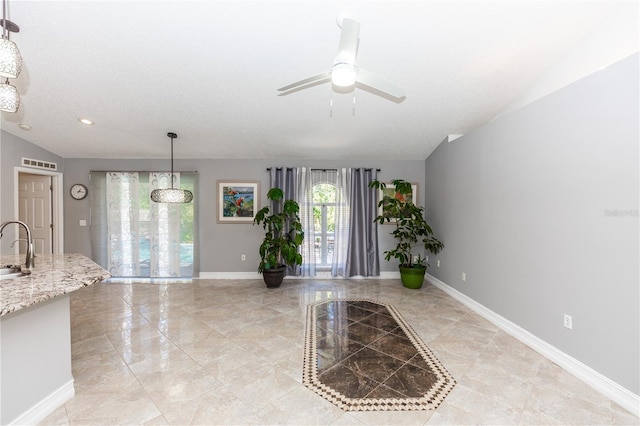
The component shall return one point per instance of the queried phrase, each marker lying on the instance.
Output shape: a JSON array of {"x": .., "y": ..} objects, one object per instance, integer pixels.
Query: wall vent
[{"x": 29, "y": 162}]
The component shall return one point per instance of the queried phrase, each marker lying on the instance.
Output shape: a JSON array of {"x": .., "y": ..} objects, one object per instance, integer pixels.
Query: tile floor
[
  {"x": 361, "y": 355},
  {"x": 231, "y": 352}
]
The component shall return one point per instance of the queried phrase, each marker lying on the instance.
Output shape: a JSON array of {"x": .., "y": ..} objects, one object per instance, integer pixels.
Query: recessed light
[
  {"x": 85, "y": 121},
  {"x": 24, "y": 127}
]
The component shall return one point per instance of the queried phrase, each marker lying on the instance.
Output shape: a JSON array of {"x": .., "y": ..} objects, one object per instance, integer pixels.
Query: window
[{"x": 324, "y": 222}]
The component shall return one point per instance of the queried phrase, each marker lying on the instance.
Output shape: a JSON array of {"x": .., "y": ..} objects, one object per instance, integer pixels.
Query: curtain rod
[
  {"x": 143, "y": 171},
  {"x": 324, "y": 170}
]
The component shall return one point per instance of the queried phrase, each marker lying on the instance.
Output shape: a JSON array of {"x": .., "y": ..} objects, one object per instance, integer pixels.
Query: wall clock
[{"x": 79, "y": 191}]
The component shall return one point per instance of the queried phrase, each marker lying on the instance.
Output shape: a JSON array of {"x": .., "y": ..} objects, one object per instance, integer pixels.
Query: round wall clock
[{"x": 79, "y": 191}]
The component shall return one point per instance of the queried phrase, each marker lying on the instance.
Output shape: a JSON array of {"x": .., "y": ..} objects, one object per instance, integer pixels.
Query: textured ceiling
[{"x": 209, "y": 70}]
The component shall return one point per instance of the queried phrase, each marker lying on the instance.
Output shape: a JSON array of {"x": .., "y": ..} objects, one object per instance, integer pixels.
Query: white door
[{"x": 34, "y": 208}]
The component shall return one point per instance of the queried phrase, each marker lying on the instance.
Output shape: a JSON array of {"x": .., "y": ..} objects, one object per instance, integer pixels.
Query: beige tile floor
[{"x": 230, "y": 352}]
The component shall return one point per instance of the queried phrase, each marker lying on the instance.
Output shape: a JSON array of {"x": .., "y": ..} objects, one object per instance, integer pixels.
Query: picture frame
[
  {"x": 237, "y": 201},
  {"x": 390, "y": 191}
]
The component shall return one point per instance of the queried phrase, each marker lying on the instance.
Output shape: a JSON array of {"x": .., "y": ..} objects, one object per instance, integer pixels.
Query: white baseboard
[
  {"x": 46, "y": 406},
  {"x": 612, "y": 390},
  {"x": 229, "y": 276},
  {"x": 384, "y": 275}
]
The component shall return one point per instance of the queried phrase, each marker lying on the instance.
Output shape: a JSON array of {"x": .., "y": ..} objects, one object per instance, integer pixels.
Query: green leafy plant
[
  {"x": 283, "y": 232},
  {"x": 411, "y": 227}
]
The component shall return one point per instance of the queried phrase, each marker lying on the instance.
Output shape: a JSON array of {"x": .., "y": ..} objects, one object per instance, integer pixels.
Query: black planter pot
[{"x": 273, "y": 277}]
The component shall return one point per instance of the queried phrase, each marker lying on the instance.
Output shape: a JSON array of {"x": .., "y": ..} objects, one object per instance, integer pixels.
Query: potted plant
[
  {"x": 282, "y": 240},
  {"x": 411, "y": 230}
]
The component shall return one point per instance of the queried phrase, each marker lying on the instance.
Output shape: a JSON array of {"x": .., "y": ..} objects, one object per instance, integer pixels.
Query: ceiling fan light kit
[
  {"x": 344, "y": 72},
  {"x": 343, "y": 75},
  {"x": 171, "y": 195}
]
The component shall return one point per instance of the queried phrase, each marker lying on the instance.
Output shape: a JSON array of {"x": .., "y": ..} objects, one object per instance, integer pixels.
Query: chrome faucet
[{"x": 29, "y": 262}]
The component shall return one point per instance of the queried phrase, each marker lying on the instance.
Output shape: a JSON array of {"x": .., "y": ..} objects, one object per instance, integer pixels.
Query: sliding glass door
[{"x": 135, "y": 237}]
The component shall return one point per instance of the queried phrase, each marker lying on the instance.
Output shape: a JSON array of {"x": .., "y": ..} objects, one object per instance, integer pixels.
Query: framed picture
[
  {"x": 390, "y": 192},
  {"x": 237, "y": 201}
]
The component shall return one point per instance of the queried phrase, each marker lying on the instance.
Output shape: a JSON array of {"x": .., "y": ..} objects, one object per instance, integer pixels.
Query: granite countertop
[{"x": 53, "y": 275}]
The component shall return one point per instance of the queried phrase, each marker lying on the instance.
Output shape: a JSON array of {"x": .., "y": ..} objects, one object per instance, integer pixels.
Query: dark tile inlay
[{"x": 361, "y": 355}]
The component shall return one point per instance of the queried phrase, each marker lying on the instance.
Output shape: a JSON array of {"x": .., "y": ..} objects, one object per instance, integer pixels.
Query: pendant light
[
  {"x": 9, "y": 97},
  {"x": 10, "y": 58},
  {"x": 171, "y": 195}
]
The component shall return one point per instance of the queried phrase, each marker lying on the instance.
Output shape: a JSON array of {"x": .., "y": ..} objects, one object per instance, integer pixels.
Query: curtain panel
[
  {"x": 289, "y": 180},
  {"x": 362, "y": 254}
]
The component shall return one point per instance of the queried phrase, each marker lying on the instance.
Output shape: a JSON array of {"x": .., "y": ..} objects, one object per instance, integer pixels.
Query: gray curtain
[
  {"x": 362, "y": 254},
  {"x": 287, "y": 179}
]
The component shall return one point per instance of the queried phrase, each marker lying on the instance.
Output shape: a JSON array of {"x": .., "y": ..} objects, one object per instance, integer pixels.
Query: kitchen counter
[
  {"x": 35, "y": 337},
  {"x": 53, "y": 275}
]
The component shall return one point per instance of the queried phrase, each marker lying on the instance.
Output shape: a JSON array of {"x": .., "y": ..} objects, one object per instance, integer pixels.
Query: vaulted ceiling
[{"x": 209, "y": 70}]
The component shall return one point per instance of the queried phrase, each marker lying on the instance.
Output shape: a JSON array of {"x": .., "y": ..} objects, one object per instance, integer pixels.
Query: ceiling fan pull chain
[{"x": 331, "y": 105}]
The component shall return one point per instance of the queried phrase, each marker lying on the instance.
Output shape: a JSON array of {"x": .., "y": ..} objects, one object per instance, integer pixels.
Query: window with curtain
[
  {"x": 131, "y": 236},
  {"x": 337, "y": 209}
]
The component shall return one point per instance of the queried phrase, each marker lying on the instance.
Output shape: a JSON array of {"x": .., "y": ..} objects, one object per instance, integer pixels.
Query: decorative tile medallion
[{"x": 361, "y": 355}]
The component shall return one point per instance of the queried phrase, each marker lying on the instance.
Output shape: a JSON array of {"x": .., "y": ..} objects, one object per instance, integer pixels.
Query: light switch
[{"x": 83, "y": 222}]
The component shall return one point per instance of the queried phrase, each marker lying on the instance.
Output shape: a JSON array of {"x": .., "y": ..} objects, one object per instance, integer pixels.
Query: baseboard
[
  {"x": 612, "y": 390},
  {"x": 229, "y": 276},
  {"x": 46, "y": 406},
  {"x": 384, "y": 275}
]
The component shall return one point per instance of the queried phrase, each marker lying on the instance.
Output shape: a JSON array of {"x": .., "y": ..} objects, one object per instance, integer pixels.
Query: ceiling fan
[{"x": 344, "y": 74}]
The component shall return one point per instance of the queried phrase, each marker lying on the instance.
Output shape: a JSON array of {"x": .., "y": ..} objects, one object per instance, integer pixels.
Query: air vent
[{"x": 29, "y": 162}]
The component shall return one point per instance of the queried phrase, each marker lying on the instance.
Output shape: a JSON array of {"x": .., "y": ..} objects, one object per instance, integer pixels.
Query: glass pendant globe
[
  {"x": 10, "y": 59},
  {"x": 171, "y": 195},
  {"x": 9, "y": 98}
]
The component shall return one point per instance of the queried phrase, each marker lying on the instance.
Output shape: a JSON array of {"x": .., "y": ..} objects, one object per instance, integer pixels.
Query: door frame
[{"x": 57, "y": 203}]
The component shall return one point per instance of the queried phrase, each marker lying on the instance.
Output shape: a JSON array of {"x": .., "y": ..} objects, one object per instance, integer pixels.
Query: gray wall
[
  {"x": 524, "y": 206},
  {"x": 12, "y": 149},
  {"x": 221, "y": 245}
]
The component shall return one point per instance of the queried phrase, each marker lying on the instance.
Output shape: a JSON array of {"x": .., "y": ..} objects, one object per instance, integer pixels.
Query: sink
[{"x": 11, "y": 271}]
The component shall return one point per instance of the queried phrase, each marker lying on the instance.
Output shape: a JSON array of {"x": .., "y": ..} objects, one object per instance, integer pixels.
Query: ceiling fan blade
[
  {"x": 315, "y": 78},
  {"x": 349, "y": 38},
  {"x": 379, "y": 84}
]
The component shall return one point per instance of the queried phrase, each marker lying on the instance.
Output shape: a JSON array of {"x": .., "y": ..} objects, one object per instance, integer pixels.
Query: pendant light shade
[
  {"x": 9, "y": 97},
  {"x": 10, "y": 58},
  {"x": 10, "y": 64},
  {"x": 171, "y": 195}
]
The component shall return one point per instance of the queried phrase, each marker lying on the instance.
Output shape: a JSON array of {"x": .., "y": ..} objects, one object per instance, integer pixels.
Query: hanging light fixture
[
  {"x": 171, "y": 195},
  {"x": 10, "y": 58},
  {"x": 9, "y": 97}
]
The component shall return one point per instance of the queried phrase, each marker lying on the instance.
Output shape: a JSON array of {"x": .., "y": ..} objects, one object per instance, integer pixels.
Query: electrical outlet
[
  {"x": 568, "y": 321},
  {"x": 438, "y": 263},
  {"x": 464, "y": 277},
  {"x": 415, "y": 258},
  {"x": 243, "y": 257}
]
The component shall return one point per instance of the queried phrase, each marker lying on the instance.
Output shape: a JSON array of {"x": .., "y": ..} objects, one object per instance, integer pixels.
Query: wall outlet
[
  {"x": 243, "y": 257},
  {"x": 568, "y": 321},
  {"x": 415, "y": 258},
  {"x": 464, "y": 277},
  {"x": 438, "y": 263}
]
